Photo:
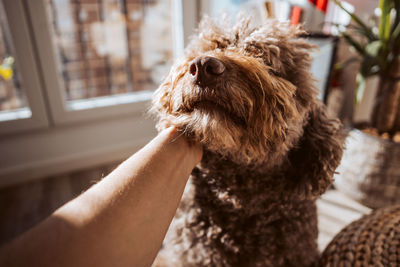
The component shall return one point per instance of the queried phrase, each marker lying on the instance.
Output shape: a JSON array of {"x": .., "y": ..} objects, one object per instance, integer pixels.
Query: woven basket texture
[
  {"x": 373, "y": 240},
  {"x": 370, "y": 170}
]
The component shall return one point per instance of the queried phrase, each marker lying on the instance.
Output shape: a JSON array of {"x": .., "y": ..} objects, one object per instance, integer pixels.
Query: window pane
[
  {"x": 110, "y": 47},
  {"x": 13, "y": 104}
]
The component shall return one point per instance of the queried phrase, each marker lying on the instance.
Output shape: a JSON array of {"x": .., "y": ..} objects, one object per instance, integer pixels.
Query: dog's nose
[{"x": 206, "y": 69}]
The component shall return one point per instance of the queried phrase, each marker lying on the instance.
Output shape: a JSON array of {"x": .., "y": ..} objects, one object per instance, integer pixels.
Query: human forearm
[{"x": 122, "y": 220}]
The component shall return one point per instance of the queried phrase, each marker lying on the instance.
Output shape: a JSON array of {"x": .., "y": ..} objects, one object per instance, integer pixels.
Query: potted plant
[{"x": 370, "y": 169}]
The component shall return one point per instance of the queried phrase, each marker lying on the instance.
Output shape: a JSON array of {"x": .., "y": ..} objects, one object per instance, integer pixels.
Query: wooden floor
[
  {"x": 23, "y": 206},
  {"x": 335, "y": 211}
]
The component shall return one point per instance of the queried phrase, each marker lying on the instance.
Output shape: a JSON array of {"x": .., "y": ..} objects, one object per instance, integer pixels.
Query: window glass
[
  {"x": 111, "y": 47},
  {"x": 13, "y": 104}
]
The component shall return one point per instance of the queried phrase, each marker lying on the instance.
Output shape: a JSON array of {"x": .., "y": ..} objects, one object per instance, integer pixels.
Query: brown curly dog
[{"x": 270, "y": 150}]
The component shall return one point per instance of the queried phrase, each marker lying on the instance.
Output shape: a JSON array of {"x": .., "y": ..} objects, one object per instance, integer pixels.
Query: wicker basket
[
  {"x": 370, "y": 170},
  {"x": 373, "y": 240}
]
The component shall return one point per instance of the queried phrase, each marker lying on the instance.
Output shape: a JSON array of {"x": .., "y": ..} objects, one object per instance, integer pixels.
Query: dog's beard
[
  {"x": 208, "y": 124},
  {"x": 217, "y": 110},
  {"x": 221, "y": 119}
]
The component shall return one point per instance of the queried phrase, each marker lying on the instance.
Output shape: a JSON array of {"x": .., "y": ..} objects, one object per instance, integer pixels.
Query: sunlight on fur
[{"x": 246, "y": 94}]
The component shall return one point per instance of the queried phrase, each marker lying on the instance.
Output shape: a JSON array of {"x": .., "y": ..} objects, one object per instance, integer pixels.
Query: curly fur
[{"x": 269, "y": 149}]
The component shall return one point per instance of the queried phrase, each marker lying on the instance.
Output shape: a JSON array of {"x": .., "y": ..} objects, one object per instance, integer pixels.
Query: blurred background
[{"x": 76, "y": 77}]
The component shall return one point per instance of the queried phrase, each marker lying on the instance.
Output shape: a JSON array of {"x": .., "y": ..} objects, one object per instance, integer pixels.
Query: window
[
  {"x": 104, "y": 55},
  {"x": 21, "y": 101},
  {"x": 83, "y": 72},
  {"x": 11, "y": 95},
  {"x": 105, "y": 48}
]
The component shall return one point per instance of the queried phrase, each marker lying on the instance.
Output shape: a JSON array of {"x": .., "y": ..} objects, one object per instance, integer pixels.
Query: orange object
[
  {"x": 295, "y": 15},
  {"x": 320, "y": 4}
]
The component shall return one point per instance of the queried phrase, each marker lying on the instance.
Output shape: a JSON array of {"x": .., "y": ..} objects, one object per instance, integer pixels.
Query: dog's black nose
[{"x": 206, "y": 69}]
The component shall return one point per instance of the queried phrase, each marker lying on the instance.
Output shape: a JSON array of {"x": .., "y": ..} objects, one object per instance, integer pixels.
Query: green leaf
[
  {"x": 384, "y": 26},
  {"x": 362, "y": 32},
  {"x": 372, "y": 49},
  {"x": 396, "y": 22},
  {"x": 360, "y": 88},
  {"x": 369, "y": 65},
  {"x": 396, "y": 32},
  {"x": 393, "y": 46},
  {"x": 367, "y": 30},
  {"x": 395, "y": 36},
  {"x": 350, "y": 40}
]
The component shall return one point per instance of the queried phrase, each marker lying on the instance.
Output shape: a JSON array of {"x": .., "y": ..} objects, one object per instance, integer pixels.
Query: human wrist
[{"x": 190, "y": 151}]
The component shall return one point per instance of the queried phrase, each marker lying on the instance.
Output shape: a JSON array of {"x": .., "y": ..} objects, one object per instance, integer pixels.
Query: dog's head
[{"x": 244, "y": 92}]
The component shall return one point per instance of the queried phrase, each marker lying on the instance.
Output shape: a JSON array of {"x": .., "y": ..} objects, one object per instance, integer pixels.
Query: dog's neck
[
  {"x": 228, "y": 186},
  {"x": 222, "y": 175},
  {"x": 216, "y": 163}
]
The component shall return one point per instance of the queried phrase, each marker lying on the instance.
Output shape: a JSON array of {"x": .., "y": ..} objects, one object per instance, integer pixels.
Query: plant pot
[
  {"x": 386, "y": 114},
  {"x": 370, "y": 170}
]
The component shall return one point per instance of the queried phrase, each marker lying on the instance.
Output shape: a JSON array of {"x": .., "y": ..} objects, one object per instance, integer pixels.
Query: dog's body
[{"x": 269, "y": 148}]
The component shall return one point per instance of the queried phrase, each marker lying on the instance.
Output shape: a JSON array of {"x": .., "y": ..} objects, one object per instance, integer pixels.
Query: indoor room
[{"x": 199, "y": 133}]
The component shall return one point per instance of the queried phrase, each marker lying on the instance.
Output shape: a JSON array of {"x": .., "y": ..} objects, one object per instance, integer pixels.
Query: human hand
[{"x": 194, "y": 150}]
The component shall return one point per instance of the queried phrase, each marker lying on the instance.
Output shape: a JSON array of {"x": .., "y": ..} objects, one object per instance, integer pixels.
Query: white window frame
[
  {"x": 70, "y": 140},
  {"x": 26, "y": 67},
  {"x": 52, "y": 83}
]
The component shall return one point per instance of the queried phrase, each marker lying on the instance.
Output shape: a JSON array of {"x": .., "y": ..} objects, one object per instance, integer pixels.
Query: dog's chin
[
  {"x": 216, "y": 129},
  {"x": 217, "y": 112}
]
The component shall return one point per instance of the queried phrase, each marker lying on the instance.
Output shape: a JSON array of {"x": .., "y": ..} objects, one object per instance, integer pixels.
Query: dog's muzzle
[{"x": 206, "y": 70}]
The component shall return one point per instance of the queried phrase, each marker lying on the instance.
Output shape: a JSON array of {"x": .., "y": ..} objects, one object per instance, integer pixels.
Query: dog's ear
[{"x": 319, "y": 151}]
